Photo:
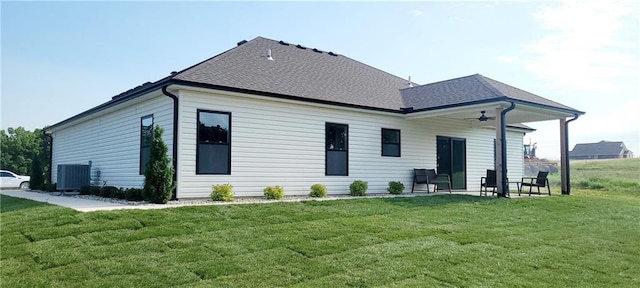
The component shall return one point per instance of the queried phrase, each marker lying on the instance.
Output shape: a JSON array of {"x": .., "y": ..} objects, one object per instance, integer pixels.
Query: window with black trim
[
  {"x": 146, "y": 140},
  {"x": 337, "y": 149},
  {"x": 390, "y": 142},
  {"x": 213, "y": 151}
]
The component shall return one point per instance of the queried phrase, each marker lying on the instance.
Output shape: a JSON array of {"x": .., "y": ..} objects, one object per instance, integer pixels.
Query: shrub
[
  {"x": 95, "y": 190},
  {"x": 158, "y": 178},
  {"x": 50, "y": 187},
  {"x": 119, "y": 194},
  {"x": 109, "y": 191},
  {"x": 85, "y": 190},
  {"x": 358, "y": 188},
  {"x": 318, "y": 190},
  {"x": 395, "y": 187},
  {"x": 37, "y": 175},
  {"x": 273, "y": 192},
  {"x": 133, "y": 194},
  {"x": 222, "y": 192}
]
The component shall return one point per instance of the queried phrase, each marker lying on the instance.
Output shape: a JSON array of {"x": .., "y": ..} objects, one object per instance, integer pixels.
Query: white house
[{"x": 272, "y": 113}]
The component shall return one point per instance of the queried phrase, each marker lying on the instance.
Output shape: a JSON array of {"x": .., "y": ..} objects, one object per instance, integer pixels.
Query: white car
[{"x": 9, "y": 179}]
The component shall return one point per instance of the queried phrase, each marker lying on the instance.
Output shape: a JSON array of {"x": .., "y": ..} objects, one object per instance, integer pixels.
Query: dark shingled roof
[
  {"x": 600, "y": 148},
  {"x": 300, "y": 72},
  {"x": 307, "y": 74},
  {"x": 468, "y": 90},
  {"x": 313, "y": 74}
]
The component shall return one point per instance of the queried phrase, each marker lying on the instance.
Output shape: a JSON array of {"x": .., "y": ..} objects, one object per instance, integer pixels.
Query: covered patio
[{"x": 468, "y": 97}]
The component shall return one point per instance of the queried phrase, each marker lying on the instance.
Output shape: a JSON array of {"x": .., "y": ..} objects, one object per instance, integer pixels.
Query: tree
[
  {"x": 20, "y": 146},
  {"x": 158, "y": 176}
]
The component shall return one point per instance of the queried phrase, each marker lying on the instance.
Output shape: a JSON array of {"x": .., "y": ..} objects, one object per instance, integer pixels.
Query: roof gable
[{"x": 468, "y": 90}]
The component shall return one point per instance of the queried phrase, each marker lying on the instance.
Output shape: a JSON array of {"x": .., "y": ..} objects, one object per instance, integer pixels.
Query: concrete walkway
[
  {"x": 88, "y": 205},
  {"x": 79, "y": 204}
]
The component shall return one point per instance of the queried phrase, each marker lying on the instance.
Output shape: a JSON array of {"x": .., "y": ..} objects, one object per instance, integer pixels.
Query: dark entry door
[{"x": 452, "y": 160}]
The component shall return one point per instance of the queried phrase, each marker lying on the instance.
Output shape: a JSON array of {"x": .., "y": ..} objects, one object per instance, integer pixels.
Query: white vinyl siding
[
  {"x": 283, "y": 143},
  {"x": 111, "y": 141},
  {"x": 274, "y": 143}
]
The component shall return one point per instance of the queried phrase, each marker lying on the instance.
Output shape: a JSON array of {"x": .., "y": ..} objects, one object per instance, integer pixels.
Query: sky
[{"x": 62, "y": 58}]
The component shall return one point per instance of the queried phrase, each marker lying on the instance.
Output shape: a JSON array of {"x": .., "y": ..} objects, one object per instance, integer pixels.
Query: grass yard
[{"x": 590, "y": 239}]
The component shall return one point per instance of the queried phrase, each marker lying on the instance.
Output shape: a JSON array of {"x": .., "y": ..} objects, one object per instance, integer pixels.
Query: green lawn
[{"x": 590, "y": 239}]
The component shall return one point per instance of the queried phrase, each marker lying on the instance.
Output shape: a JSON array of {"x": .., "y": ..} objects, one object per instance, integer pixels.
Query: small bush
[
  {"x": 109, "y": 191},
  {"x": 50, "y": 187},
  {"x": 318, "y": 190},
  {"x": 133, "y": 194},
  {"x": 85, "y": 190},
  {"x": 119, "y": 194},
  {"x": 273, "y": 192},
  {"x": 222, "y": 192},
  {"x": 95, "y": 190},
  {"x": 395, "y": 187},
  {"x": 358, "y": 188}
]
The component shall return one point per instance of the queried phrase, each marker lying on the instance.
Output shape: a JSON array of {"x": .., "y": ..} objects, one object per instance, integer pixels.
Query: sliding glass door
[{"x": 452, "y": 160}]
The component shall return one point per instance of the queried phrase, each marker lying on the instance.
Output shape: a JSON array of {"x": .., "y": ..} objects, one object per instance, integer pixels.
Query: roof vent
[
  {"x": 242, "y": 42},
  {"x": 316, "y": 50},
  {"x": 283, "y": 43},
  {"x": 410, "y": 84},
  {"x": 173, "y": 73},
  {"x": 332, "y": 54},
  {"x": 301, "y": 47},
  {"x": 269, "y": 57}
]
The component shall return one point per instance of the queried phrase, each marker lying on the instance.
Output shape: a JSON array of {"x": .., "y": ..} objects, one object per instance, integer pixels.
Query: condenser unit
[{"x": 73, "y": 176}]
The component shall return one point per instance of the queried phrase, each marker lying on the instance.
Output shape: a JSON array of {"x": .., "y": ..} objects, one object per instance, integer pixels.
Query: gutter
[
  {"x": 503, "y": 142},
  {"x": 566, "y": 152},
  {"x": 175, "y": 139},
  {"x": 44, "y": 132}
]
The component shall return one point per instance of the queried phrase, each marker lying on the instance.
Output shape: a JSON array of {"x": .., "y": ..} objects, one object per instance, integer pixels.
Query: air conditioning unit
[{"x": 73, "y": 176}]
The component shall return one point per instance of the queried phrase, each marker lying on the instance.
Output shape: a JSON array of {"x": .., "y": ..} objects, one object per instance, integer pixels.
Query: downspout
[
  {"x": 503, "y": 142},
  {"x": 175, "y": 139},
  {"x": 44, "y": 132},
  {"x": 566, "y": 152}
]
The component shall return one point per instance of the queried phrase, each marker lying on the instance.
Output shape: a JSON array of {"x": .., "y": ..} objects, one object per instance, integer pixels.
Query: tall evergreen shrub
[
  {"x": 37, "y": 175},
  {"x": 158, "y": 177}
]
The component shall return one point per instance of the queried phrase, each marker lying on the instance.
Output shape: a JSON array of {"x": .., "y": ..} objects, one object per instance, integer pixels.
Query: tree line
[{"x": 26, "y": 152}]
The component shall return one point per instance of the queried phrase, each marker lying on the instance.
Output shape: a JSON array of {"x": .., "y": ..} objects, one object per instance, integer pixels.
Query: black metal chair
[
  {"x": 489, "y": 181},
  {"x": 539, "y": 181},
  {"x": 429, "y": 177}
]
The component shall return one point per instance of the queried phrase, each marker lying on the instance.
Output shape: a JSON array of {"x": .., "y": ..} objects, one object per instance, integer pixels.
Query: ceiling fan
[{"x": 483, "y": 117}]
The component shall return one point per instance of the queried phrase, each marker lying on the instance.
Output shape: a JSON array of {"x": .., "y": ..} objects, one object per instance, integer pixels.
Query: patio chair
[
  {"x": 429, "y": 177},
  {"x": 489, "y": 181},
  {"x": 539, "y": 181}
]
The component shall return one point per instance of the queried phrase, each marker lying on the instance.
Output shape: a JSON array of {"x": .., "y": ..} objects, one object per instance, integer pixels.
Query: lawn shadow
[
  {"x": 437, "y": 200},
  {"x": 9, "y": 204}
]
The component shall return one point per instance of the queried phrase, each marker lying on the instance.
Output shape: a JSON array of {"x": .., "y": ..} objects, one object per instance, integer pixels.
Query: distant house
[
  {"x": 272, "y": 113},
  {"x": 600, "y": 150}
]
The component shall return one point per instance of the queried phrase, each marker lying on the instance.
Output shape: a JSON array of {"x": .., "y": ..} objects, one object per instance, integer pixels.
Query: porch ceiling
[{"x": 522, "y": 113}]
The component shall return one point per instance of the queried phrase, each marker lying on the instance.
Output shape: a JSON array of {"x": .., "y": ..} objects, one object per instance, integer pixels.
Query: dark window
[
  {"x": 213, "y": 154},
  {"x": 337, "y": 149},
  {"x": 390, "y": 142},
  {"x": 6, "y": 174},
  {"x": 146, "y": 140}
]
